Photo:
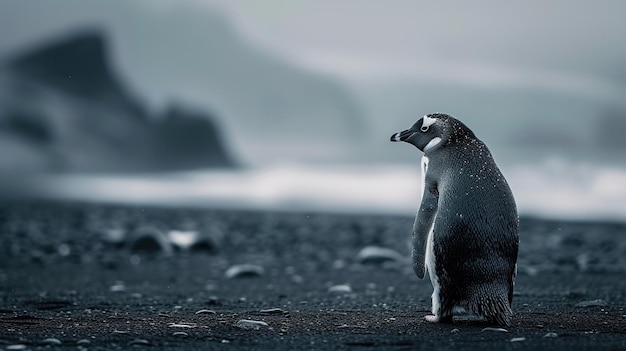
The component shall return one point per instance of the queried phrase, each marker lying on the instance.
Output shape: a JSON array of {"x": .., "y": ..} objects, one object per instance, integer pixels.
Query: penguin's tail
[
  {"x": 492, "y": 304},
  {"x": 502, "y": 317}
]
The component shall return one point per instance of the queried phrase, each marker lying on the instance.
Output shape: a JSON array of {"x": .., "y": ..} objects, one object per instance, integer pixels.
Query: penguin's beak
[{"x": 402, "y": 136}]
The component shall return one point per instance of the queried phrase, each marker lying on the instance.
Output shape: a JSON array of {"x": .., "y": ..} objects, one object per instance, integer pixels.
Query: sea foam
[{"x": 549, "y": 189}]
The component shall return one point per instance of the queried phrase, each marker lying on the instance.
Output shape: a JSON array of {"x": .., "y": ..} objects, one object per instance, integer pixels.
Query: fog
[{"x": 304, "y": 96}]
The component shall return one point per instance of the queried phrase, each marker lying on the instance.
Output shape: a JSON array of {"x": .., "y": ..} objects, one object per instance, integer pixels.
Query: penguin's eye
[{"x": 424, "y": 128}]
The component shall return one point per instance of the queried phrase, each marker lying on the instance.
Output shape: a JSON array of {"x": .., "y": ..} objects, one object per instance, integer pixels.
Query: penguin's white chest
[
  {"x": 431, "y": 261},
  {"x": 430, "y": 253},
  {"x": 430, "y": 250}
]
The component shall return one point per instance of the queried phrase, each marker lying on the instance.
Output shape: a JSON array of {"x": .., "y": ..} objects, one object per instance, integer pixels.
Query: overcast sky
[
  {"x": 562, "y": 50},
  {"x": 575, "y": 41}
]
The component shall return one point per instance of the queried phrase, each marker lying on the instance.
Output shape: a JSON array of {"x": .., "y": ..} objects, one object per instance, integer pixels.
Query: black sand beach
[{"x": 100, "y": 277}]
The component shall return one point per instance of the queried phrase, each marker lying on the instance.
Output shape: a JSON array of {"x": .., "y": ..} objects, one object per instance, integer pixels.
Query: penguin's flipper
[{"x": 423, "y": 225}]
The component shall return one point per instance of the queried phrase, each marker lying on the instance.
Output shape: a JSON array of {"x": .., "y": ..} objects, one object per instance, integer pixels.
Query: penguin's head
[{"x": 433, "y": 131}]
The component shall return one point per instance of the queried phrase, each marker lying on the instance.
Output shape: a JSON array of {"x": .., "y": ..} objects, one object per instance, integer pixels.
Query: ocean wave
[{"x": 550, "y": 189}]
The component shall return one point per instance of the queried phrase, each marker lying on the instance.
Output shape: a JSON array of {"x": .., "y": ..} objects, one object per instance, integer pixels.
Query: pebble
[
  {"x": 206, "y": 312},
  {"x": 377, "y": 255},
  {"x": 582, "y": 261},
  {"x": 495, "y": 329},
  {"x": 342, "y": 288},
  {"x": 64, "y": 250},
  {"x": 83, "y": 342},
  {"x": 113, "y": 235},
  {"x": 454, "y": 331},
  {"x": 206, "y": 243},
  {"x": 139, "y": 342},
  {"x": 149, "y": 240},
  {"x": 551, "y": 335},
  {"x": 182, "y": 325},
  {"x": 518, "y": 339},
  {"x": 250, "y": 324},
  {"x": 51, "y": 341},
  {"x": 339, "y": 264},
  {"x": 592, "y": 303},
  {"x": 213, "y": 301},
  {"x": 117, "y": 287},
  {"x": 180, "y": 333},
  {"x": 184, "y": 239},
  {"x": 244, "y": 271},
  {"x": 16, "y": 347},
  {"x": 273, "y": 311},
  {"x": 135, "y": 260}
]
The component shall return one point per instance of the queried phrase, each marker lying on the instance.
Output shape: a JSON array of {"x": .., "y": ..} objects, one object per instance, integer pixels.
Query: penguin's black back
[{"x": 476, "y": 226}]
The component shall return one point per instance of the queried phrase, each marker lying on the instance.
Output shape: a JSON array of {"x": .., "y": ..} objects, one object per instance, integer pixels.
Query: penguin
[{"x": 466, "y": 228}]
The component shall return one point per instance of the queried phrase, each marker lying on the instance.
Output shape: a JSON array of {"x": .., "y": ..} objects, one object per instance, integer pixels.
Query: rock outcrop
[{"x": 63, "y": 108}]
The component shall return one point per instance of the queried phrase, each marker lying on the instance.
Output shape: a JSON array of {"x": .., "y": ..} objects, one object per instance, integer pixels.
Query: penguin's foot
[
  {"x": 432, "y": 319},
  {"x": 438, "y": 319}
]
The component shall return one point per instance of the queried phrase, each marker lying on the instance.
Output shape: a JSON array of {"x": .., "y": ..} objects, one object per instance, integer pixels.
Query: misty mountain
[
  {"x": 274, "y": 109},
  {"x": 64, "y": 108}
]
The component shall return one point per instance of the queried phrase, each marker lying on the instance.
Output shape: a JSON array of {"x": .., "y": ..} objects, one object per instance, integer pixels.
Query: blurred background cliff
[{"x": 290, "y": 104}]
